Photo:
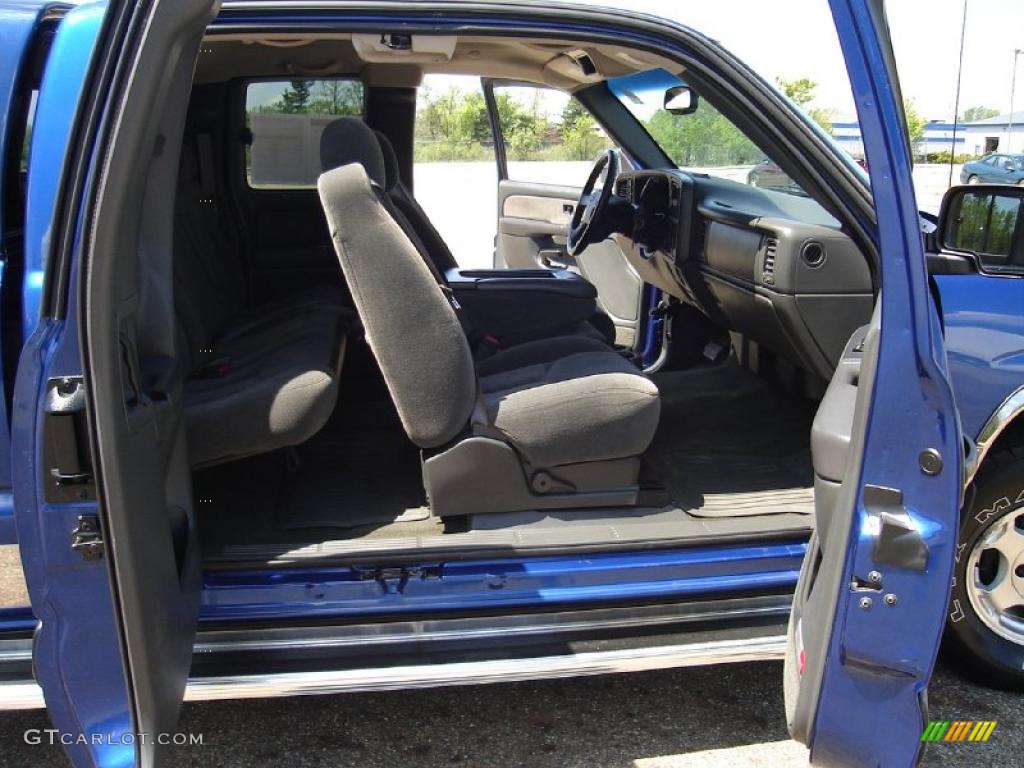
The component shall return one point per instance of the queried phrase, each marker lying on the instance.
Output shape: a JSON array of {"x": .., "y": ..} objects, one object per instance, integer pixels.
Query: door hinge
[
  {"x": 66, "y": 451},
  {"x": 86, "y": 538}
]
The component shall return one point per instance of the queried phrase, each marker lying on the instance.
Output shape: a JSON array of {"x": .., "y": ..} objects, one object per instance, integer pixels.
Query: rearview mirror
[
  {"x": 680, "y": 100},
  {"x": 984, "y": 221}
]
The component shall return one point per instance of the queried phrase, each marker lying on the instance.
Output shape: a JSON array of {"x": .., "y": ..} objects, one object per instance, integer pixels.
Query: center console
[{"x": 513, "y": 305}]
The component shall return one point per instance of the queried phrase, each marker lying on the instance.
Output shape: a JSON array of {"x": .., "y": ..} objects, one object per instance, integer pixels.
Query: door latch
[
  {"x": 66, "y": 451},
  {"x": 86, "y": 539},
  {"x": 898, "y": 542}
]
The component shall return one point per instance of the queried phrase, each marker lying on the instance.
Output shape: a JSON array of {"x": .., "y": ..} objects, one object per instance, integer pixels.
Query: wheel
[
  {"x": 972, "y": 179},
  {"x": 985, "y": 626},
  {"x": 753, "y": 179}
]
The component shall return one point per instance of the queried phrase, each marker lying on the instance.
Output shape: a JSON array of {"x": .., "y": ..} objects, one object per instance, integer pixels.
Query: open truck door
[
  {"x": 888, "y": 458},
  {"x": 103, "y": 497}
]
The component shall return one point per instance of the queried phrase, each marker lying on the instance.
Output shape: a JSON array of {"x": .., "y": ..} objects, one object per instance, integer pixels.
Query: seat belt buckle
[
  {"x": 214, "y": 369},
  {"x": 488, "y": 345}
]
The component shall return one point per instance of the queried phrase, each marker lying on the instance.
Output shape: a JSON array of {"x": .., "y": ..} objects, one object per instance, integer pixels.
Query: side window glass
[
  {"x": 549, "y": 137},
  {"x": 454, "y": 170},
  {"x": 286, "y": 118}
]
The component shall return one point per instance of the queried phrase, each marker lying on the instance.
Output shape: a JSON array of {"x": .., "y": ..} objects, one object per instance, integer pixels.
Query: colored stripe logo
[{"x": 958, "y": 730}]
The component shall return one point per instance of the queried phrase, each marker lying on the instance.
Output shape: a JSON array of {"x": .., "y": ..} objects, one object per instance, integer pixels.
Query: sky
[{"x": 796, "y": 38}]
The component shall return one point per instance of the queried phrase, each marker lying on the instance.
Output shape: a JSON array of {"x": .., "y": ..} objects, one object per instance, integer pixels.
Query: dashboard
[{"x": 773, "y": 266}]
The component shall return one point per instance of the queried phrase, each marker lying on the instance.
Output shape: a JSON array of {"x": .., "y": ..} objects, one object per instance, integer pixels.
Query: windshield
[{"x": 703, "y": 141}]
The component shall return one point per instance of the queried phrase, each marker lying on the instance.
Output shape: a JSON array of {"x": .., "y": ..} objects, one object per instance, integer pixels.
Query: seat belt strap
[{"x": 204, "y": 145}]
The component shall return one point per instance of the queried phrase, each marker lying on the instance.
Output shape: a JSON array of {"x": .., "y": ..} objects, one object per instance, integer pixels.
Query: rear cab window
[{"x": 286, "y": 118}]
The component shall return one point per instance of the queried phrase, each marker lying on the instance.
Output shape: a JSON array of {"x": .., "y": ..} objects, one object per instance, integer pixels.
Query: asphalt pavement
[{"x": 713, "y": 717}]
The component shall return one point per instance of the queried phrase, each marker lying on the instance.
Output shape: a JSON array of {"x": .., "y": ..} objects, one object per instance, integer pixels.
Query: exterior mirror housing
[
  {"x": 986, "y": 222},
  {"x": 680, "y": 100}
]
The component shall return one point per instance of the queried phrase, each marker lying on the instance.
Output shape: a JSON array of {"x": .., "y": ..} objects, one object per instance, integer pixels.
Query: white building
[
  {"x": 998, "y": 133},
  {"x": 939, "y": 136}
]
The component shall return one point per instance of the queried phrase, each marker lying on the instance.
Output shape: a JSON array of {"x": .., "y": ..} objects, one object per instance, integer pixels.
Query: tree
[
  {"x": 580, "y": 136},
  {"x": 295, "y": 98},
  {"x": 452, "y": 125},
  {"x": 915, "y": 124},
  {"x": 523, "y": 126},
  {"x": 336, "y": 97},
  {"x": 972, "y": 114},
  {"x": 572, "y": 113},
  {"x": 801, "y": 93},
  {"x": 704, "y": 138}
]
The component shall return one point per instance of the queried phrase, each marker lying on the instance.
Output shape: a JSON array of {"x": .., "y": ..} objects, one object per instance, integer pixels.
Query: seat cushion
[
  {"x": 269, "y": 386},
  {"x": 538, "y": 352},
  {"x": 592, "y": 405}
]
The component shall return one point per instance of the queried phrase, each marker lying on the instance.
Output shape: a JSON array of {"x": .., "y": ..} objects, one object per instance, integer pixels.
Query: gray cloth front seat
[
  {"x": 555, "y": 423},
  {"x": 350, "y": 140}
]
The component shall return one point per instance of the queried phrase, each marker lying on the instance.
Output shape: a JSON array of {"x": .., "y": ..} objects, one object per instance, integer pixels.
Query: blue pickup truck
[{"x": 269, "y": 438}]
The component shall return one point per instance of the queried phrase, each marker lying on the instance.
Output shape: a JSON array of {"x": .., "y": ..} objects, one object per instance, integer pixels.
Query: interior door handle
[{"x": 553, "y": 259}]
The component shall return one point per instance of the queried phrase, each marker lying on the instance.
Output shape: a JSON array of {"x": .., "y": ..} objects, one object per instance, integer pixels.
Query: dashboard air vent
[{"x": 771, "y": 249}]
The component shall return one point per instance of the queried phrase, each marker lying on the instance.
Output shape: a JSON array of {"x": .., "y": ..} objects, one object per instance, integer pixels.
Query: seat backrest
[
  {"x": 210, "y": 285},
  {"x": 350, "y": 140},
  {"x": 411, "y": 325},
  {"x": 437, "y": 249}
]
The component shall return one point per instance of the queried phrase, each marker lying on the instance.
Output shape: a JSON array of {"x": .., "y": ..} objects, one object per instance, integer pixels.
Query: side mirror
[
  {"x": 985, "y": 221},
  {"x": 680, "y": 100}
]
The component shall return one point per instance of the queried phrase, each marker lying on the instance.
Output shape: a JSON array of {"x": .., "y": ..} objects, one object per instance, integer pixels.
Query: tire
[
  {"x": 753, "y": 179},
  {"x": 987, "y": 643},
  {"x": 972, "y": 179}
]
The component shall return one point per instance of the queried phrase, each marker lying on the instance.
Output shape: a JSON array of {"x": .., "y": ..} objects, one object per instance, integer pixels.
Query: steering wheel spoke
[{"x": 593, "y": 203}]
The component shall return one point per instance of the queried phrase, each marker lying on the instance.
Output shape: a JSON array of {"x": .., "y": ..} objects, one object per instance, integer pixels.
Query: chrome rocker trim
[
  {"x": 29, "y": 695},
  {"x": 483, "y": 672}
]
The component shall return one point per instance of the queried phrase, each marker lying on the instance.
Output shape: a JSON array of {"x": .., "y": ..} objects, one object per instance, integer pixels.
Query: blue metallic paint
[
  {"x": 878, "y": 662},
  {"x": 73, "y": 600},
  {"x": 984, "y": 320},
  {"x": 526, "y": 583},
  {"x": 77, "y": 657},
  {"x": 56, "y": 111},
  {"x": 653, "y": 327},
  {"x": 18, "y": 24}
]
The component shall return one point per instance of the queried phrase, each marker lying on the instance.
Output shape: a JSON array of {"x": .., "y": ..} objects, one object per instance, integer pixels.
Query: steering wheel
[{"x": 592, "y": 204}]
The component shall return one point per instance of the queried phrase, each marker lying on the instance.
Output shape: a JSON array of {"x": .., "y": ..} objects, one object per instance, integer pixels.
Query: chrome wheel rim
[{"x": 995, "y": 576}]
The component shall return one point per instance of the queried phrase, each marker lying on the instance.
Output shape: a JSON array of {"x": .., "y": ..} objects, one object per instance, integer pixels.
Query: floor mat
[
  {"x": 374, "y": 481},
  {"x": 359, "y": 471},
  {"x": 731, "y": 445},
  {"x": 358, "y": 478}
]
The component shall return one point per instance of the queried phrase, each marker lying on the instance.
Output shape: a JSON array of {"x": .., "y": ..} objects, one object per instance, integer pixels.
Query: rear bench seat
[{"x": 260, "y": 377}]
